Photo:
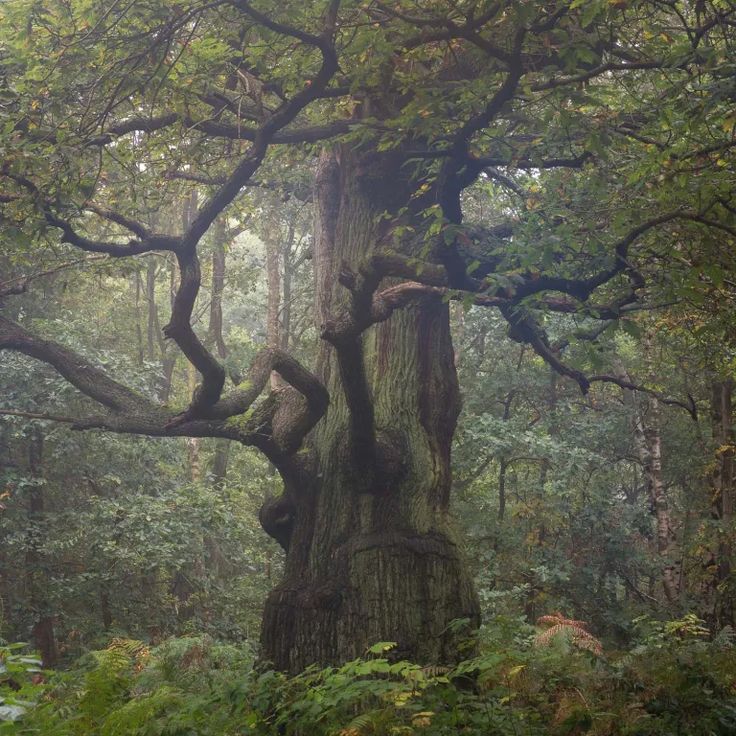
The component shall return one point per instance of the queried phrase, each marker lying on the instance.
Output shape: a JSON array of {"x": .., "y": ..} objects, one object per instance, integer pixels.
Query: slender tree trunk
[
  {"x": 649, "y": 448},
  {"x": 43, "y": 636},
  {"x": 371, "y": 556},
  {"x": 273, "y": 276},
  {"x": 214, "y": 330},
  {"x": 502, "y": 469},
  {"x": 665, "y": 533},
  {"x": 219, "y": 462},
  {"x": 152, "y": 325},
  {"x": 648, "y": 443},
  {"x": 193, "y": 443},
  {"x": 288, "y": 263},
  {"x": 723, "y": 483},
  {"x": 504, "y": 462},
  {"x": 105, "y": 608},
  {"x": 138, "y": 317}
]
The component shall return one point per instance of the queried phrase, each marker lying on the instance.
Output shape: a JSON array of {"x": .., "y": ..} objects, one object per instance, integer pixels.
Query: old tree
[{"x": 565, "y": 163}]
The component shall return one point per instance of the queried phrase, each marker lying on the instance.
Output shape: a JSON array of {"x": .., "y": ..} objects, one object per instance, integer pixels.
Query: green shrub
[{"x": 675, "y": 681}]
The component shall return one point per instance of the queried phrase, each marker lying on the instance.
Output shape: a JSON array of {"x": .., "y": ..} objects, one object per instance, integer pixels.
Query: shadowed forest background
[{"x": 367, "y": 368}]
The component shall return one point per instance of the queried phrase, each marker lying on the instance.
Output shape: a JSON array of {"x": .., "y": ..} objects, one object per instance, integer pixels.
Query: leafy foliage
[{"x": 673, "y": 678}]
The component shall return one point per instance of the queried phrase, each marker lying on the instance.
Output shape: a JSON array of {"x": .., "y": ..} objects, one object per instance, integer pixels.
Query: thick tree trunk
[{"x": 371, "y": 552}]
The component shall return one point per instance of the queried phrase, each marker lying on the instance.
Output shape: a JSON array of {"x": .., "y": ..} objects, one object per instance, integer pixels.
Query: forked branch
[{"x": 277, "y": 426}]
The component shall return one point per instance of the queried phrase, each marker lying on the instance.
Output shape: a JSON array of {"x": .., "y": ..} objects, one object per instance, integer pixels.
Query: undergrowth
[{"x": 675, "y": 681}]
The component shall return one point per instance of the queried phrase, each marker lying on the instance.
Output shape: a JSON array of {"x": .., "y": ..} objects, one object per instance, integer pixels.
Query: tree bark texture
[{"x": 371, "y": 551}]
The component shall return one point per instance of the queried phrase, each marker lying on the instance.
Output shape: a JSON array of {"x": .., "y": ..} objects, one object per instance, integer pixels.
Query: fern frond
[
  {"x": 557, "y": 618},
  {"x": 132, "y": 649},
  {"x": 576, "y": 631},
  {"x": 435, "y": 670}
]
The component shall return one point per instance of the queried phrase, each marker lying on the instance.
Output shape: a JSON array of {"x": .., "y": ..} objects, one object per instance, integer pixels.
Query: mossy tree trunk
[{"x": 371, "y": 554}]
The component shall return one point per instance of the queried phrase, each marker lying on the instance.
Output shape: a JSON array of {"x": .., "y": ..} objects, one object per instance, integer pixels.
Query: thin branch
[
  {"x": 119, "y": 219},
  {"x": 526, "y": 163},
  {"x": 284, "y": 115},
  {"x": 690, "y": 407},
  {"x": 36, "y": 415},
  {"x": 148, "y": 243},
  {"x": 134, "y": 125},
  {"x": 582, "y": 288},
  {"x": 19, "y": 285},
  {"x": 597, "y": 72}
]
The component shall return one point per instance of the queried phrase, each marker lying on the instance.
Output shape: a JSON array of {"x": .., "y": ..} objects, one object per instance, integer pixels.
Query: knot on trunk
[
  {"x": 277, "y": 519},
  {"x": 391, "y": 455}
]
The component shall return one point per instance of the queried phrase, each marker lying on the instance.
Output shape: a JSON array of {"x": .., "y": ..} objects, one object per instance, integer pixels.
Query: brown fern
[{"x": 577, "y": 631}]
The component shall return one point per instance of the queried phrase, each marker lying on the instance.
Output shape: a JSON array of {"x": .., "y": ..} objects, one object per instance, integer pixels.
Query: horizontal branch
[
  {"x": 147, "y": 243},
  {"x": 19, "y": 285},
  {"x": 690, "y": 407},
  {"x": 134, "y": 125},
  {"x": 37, "y": 415},
  {"x": 276, "y": 427},
  {"x": 526, "y": 163},
  {"x": 597, "y": 71},
  {"x": 216, "y": 129},
  {"x": 582, "y": 288},
  {"x": 384, "y": 303},
  {"x": 230, "y": 131},
  {"x": 80, "y": 372}
]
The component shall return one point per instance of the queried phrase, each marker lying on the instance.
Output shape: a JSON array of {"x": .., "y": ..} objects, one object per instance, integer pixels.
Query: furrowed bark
[{"x": 372, "y": 555}]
